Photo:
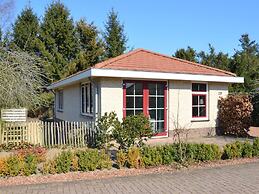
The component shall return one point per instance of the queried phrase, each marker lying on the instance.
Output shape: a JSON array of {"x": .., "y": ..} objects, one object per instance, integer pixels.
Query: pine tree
[
  {"x": 58, "y": 38},
  {"x": 218, "y": 60},
  {"x": 188, "y": 54},
  {"x": 91, "y": 47},
  {"x": 26, "y": 29},
  {"x": 114, "y": 36},
  {"x": 245, "y": 63}
]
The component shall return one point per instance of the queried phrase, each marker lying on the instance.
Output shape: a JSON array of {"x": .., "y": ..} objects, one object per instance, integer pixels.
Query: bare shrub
[{"x": 235, "y": 114}]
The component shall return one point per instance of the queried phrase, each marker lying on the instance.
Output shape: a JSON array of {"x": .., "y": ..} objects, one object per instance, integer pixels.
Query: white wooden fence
[{"x": 49, "y": 134}]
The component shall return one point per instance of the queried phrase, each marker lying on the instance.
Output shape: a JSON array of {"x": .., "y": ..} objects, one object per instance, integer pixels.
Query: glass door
[
  {"x": 157, "y": 107},
  {"x": 148, "y": 97}
]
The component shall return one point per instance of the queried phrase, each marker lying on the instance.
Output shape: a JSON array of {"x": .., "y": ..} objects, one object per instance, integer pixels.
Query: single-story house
[{"x": 172, "y": 92}]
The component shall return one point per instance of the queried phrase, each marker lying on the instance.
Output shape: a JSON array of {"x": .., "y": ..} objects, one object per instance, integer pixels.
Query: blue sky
[{"x": 166, "y": 25}]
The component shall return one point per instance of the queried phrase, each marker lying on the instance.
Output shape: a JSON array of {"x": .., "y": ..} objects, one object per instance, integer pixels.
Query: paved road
[{"x": 229, "y": 179}]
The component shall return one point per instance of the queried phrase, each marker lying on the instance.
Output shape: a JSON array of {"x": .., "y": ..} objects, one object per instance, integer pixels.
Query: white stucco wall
[
  {"x": 180, "y": 104},
  {"x": 111, "y": 99},
  {"x": 71, "y": 104},
  {"x": 111, "y": 96}
]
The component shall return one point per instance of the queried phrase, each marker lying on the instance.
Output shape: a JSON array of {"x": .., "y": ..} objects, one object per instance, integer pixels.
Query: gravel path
[{"x": 239, "y": 178}]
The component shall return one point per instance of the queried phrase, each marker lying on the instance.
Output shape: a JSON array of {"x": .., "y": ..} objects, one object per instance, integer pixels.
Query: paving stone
[{"x": 242, "y": 178}]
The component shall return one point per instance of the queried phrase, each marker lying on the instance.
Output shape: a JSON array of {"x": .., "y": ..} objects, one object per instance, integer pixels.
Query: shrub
[
  {"x": 88, "y": 160},
  {"x": 30, "y": 164},
  {"x": 255, "y": 113},
  {"x": 63, "y": 162},
  {"x": 3, "y": 167},
  {"x": 14, "y": 165},
  {"x": 121, "y": 157},
  {"x": 104, "y": 127},
  {"x": 49, "y": 167},
  {"x": 247, "y": 151},
  {"x": 168, "y": 153},
  {"x": 235, "y": 114},
  {"x": 132, "y": 131},
  {"x": 152, "y": 156},
  {"x": 104, "y": 161},
  {"x": 232, "y": 150},
  {"x": 134, "y": 158},
  {"x": 39, "y": 152},
  {"x": 256, "y": 147}
]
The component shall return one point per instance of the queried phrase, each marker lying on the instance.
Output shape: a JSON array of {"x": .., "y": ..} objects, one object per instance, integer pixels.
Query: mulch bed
[{"x": 105, "y": 174}]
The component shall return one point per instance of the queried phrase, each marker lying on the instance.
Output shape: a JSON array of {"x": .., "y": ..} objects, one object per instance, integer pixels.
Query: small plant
[
  {"x": 121, "y": 158},
  {"x": 233, "y": 150},
  {"x": 88, "y": 160},
  {"x": 64, "y": 162},
  {"x": 133, "y": 131},
  {"x": 256, "y": 147},
  {"x": 152, "y": 156},
  {"x": 30, "y": 164},
  {"x": 14, "y": 165},
  {"x": 247, "y": 151},
  {"x": 104, "y": 128},
  {"x": 3, "y": 167},
  {"x": 134, "y": 158},
  {"x": 49, "y": 167},
  {"x": 104, "y": 161}
]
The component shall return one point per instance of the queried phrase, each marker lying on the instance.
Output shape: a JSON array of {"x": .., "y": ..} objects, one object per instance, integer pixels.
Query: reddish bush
[{"x": 235, "y": 114}]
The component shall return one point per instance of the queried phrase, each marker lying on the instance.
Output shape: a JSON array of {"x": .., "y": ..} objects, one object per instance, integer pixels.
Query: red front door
[{"x": 149, "y": 97}]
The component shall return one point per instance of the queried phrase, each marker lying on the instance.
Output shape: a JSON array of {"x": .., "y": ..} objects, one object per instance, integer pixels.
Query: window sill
[
  {"x": 60, "y": 110},
  {"x": 200, "y": 119},
  {"x": 87, "y": 114}
]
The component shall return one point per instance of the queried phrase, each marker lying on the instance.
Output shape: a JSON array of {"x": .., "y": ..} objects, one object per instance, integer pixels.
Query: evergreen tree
[
  {"x": 114, "y": 36},
  {"x": 26, "y": 29},
  {"x": 58, "y": 38},
  {"x": 91, "y": 48},
  {"x": 218, "y": 60},
  {"x": 245, "y": 63},
  {"x": 188, "y": 54}
]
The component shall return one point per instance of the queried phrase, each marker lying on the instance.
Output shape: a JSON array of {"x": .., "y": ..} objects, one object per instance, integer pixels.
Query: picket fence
[{"x": 49, "y": 134}]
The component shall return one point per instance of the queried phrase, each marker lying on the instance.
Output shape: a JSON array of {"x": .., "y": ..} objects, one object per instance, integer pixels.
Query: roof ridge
[{"x": 190, "y": 62}]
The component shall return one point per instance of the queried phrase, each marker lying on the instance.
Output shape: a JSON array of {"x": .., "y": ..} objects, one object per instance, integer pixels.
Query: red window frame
[
  {"x": 205, "y": 95},
  {"x": 146, "y": 101}
]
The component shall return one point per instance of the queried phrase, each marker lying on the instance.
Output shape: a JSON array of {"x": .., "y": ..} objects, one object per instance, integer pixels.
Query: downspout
[{"x": 54, "y": 105}]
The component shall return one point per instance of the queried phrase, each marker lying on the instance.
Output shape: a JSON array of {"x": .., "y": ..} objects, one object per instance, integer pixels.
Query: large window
[
  {"x": 60, "y": 100},
  {"x": 148, "y": 97},
  {"x": 86, "y": 99},
  {"x": 199, "y": 100}
]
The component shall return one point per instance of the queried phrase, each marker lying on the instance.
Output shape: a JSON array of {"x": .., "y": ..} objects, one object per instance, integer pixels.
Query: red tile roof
[{"x": 144, "y": 60}]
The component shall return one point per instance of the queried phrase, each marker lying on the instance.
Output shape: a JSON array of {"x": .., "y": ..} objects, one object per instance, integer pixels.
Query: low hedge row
[
  {"x": 190, "y": 152},
  {"x": 83, "y": 160},
  {"x": 29, "y": 162}
]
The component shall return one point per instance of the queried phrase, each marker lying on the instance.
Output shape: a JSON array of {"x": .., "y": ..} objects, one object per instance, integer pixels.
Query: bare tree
[{"x": 21, "y": 80}]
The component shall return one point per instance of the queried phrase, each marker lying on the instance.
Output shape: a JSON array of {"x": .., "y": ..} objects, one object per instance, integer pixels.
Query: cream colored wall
[
  {"x": 111, "y": 96},
  {"x": 71, "y": 104},
  {"x": 180, "y": 104}
]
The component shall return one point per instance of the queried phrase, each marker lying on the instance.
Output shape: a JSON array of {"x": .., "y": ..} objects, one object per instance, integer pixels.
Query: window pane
[
  {"x": 202, "y": 100},
  {"x": 202, "y": 88},
  {"x": 137, "y": 112},
  {"x": 153, "y": 126},
  {"x": 160, "y": 102},
  {"x": 152, "y": 114},
  {"x": 152, "y": 88},
  {"x": 160, "y": 89},
  {"x": 129, "y": 88},
  {"x": 139, "y": 102},
  {"x": 160, "y": 114},
  {"x": 194, "y": 100},
  {"x": 202, "y": 111},
  {"x": 129, "y": 102},
  {"x": 83, "y": 99},
  {"x": 152, "y": 102},
  {"x": 138, "y": 88},
  {"x": 194, "y": 87},
  {"x": 160, "y": 126},
  {"x": 129, "y": 112},
  {"x": 195, "y": 111}
]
